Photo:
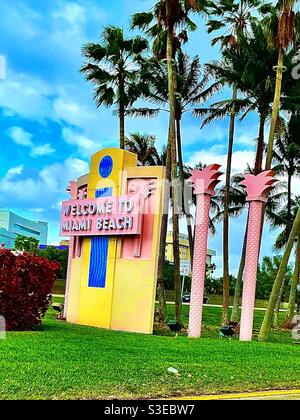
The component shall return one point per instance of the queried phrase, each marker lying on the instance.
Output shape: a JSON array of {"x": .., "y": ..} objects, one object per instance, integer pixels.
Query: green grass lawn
[{"x": 67, "y": 361}]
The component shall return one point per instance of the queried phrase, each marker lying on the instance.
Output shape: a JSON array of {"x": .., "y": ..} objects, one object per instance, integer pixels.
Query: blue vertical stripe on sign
[{"x": 99, "y": 252}]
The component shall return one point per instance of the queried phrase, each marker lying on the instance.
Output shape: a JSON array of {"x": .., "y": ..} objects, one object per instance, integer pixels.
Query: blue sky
[{"x": 49, "y": 124}]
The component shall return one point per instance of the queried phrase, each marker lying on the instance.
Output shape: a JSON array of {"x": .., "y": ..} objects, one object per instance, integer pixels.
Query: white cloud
[
  {"x": 23, "y": 138},
  {"x": 72, "y": 13},
  {"x": 26, "y": 96},
  {"x": 85, "y": 145},
  {"x": 240, "y": 159},
  {"x": 20, "y": 136},
  {"x": 27, "y": 20},
  {"x": 37, "y": 210},
  {"x": 66, "y": 105},
  {"x": 72, "y": 112},
  {"x": 69, "y": 28},
  {"x": 12, "y": 172},
  {"x": 42, "y": 150},
  {"x": 46, "y": 188},
  {"x": 40, "y": 196},
  {"x": 296, "y": 186}
]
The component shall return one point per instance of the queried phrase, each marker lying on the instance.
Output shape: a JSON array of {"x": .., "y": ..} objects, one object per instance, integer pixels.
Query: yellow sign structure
[{"x": 112, "y": 278}]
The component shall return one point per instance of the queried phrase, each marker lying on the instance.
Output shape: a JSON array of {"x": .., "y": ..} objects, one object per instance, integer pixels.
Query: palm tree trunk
[
  {"x": 122, "y": 127},
  {"x": 179, "y": 148},
  {"x": 122, "y": 111},
  {"x": 288, "y": 231},
  {"x": 191, "y": 237},
  {"x": 185, "y": 204},
  {"x": 292, "y": 301},
  {"x": 276, "y": 106},
  {"x": 260, "y": 146},
  {"x": 267, "y": 322},
  {"x": 278, "y": 303},
  {"x": 226, "y": 215},
  {"x": 266, "y": 326},
  {"x": 173, "y": 154},
  {"x": 289, "y": 205},
  {"x": 235, "y": 315},
  {"x": 161, "y": 293}
]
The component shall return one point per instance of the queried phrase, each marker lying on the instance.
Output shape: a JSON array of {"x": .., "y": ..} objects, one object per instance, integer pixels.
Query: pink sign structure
[
  {"x": 108, "y": 216},
  {"x": 204, "y": 184},
  {"x": 257, "y": 188}
]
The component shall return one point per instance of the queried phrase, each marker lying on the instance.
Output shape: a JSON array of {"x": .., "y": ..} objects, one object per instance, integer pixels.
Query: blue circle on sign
[{"x": 106, "y": 167}]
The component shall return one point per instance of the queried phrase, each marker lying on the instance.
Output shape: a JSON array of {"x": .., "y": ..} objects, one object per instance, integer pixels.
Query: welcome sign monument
[{"x": 114, "y": 221}]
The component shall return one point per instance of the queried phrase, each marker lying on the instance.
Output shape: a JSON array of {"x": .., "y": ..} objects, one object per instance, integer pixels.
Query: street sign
[{"x": 185, "y": 268}]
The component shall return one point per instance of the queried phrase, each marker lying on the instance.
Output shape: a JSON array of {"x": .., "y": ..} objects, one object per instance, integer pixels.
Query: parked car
[{"x": 187, "y": 299}]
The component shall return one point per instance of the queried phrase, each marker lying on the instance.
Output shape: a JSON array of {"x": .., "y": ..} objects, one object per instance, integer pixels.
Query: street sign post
[{"x": 185, "y": 271}]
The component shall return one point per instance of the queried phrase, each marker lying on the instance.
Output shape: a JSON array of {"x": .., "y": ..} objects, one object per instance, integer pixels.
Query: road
[
  {"x": 220, "y": 306},
  {"x": 187, "y": 304}
]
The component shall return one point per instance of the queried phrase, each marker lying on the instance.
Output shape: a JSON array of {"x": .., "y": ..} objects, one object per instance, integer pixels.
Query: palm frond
[{"x": 142, "y": 112}]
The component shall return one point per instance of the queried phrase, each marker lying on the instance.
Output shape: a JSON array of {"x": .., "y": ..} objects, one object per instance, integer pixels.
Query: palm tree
[
  {"x": 191, "y": 90},
  {"x": 161, "y": 158},
  {"x": 284, "y": 25},
  {"x": 168, "y": 23},
  {"x": 267, "y": 321},
  {"x": 283, "y": 219},
  {"x": 282, "y": 32},
  {"x": 143, "y": 146},
  {"x": 295, "y": 280},
  {"x": 113, "y": 66},
  {"x": 249, "y": 68},
  {"x": 288, "y": 149},
  {"x": 287, "y": 155},
  {"x": 234, "y": 17}
]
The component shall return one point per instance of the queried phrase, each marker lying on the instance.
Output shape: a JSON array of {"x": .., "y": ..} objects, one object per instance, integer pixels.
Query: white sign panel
[{"x": 185, "y": 268}]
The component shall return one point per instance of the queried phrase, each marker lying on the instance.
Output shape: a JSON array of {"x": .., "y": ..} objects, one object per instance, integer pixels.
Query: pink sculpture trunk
[
  {"x": 252, "y": 259},
  {"x": 199, "y": 265}
]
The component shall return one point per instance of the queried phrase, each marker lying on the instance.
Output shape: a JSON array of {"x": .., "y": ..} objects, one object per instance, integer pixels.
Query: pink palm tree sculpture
[
  {"x": 204, "y": 183},
  {"x": 257, "y": 188}
]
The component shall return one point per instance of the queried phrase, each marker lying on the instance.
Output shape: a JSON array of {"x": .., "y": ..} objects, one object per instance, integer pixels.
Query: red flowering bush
[{"x": 26, "y": 282}]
